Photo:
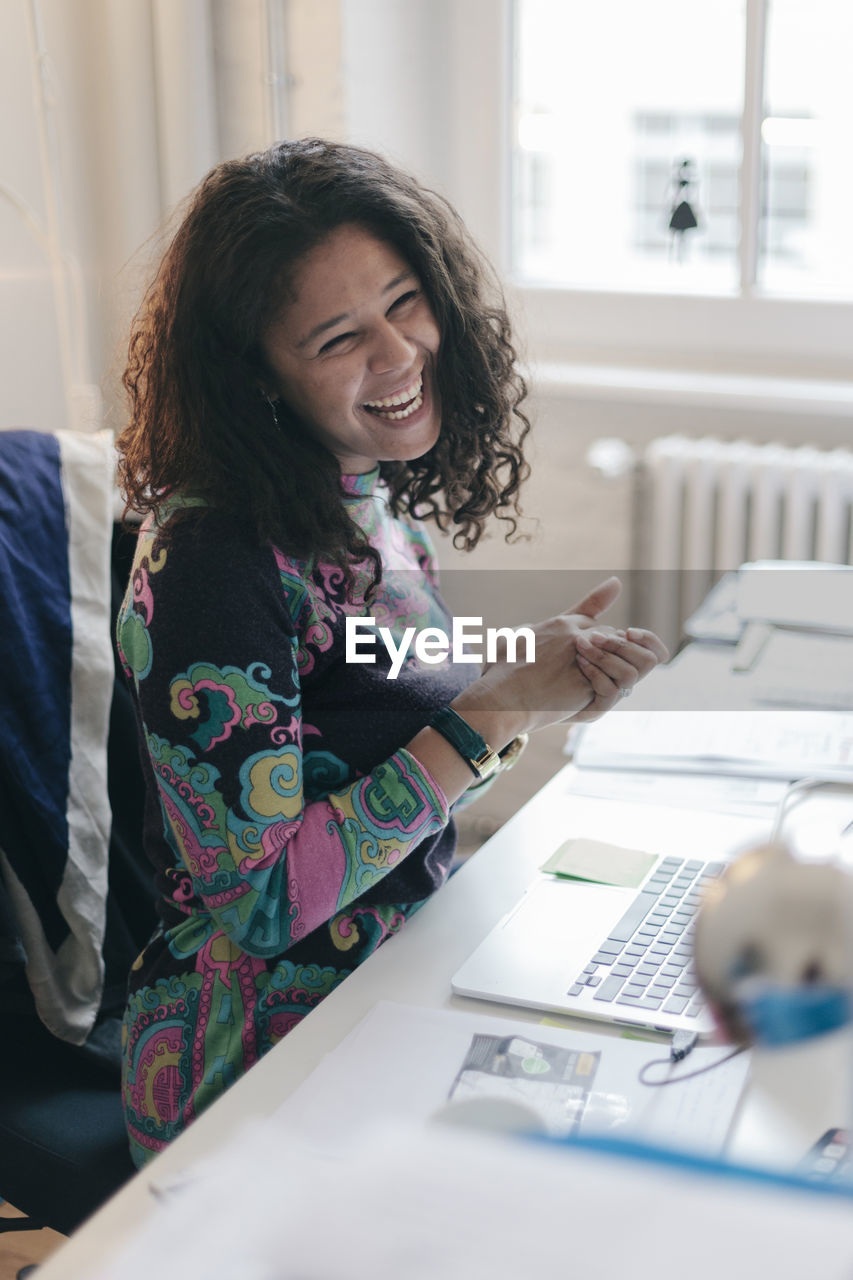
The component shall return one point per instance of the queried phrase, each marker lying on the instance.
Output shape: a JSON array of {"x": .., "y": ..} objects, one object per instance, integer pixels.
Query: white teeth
[
  {"x": 405, "y": 413},
  {"x": 402, "y": 397}
]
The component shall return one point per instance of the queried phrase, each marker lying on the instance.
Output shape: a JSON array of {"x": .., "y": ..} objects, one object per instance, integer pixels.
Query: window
[
  {"x": 641, "y": 133},
  {"x": 627, "y": 143},
  {"x": 743, "y": 317},
  {"x": 805, "y": 242}
]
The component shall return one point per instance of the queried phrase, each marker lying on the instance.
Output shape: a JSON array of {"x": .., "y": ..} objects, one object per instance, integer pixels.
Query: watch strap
[{"x": 471, "y": 746}]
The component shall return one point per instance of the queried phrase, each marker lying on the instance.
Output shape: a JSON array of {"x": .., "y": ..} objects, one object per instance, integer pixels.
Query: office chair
[{"x": 63, "y": 1146}]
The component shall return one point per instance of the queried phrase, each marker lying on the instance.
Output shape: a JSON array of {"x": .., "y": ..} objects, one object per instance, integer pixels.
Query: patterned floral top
[{"x": 291, "y": 831}]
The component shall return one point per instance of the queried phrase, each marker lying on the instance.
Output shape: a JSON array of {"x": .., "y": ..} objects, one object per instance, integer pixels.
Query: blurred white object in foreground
[{"x": 774, "y": 946}]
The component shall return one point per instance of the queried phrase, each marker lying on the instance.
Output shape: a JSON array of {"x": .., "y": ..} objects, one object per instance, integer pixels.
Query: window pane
[
  {"x": 627, "y": 130},
  {"x": 805, "y": 242}
]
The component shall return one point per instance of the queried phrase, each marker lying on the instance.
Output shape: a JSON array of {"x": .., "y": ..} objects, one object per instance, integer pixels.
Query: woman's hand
[
  {"x": 580, "y": 670},
  {"x": 613, "y": 662}
]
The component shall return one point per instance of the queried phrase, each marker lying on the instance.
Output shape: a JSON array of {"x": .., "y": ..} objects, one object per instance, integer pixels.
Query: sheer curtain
[{"x": 113, "y": 111}]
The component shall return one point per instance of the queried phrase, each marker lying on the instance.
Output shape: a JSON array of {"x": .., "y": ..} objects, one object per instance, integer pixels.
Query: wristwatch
[
  {"x": 512, "y": 751},
  {"x": 480, "y": 758}
]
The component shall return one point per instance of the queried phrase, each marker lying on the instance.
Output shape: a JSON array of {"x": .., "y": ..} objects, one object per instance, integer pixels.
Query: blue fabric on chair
[
  {"x": 35, "y": 643},
  {"x": 76, "y": 892},
  {"x": 56, "y": 678}
]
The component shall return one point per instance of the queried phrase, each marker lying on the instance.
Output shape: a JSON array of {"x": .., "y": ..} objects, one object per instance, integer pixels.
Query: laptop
[{"x": 600, "y": 951}]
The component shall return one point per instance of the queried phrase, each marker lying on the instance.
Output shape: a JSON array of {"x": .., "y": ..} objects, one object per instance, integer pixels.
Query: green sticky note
[{"x": 602, "y": 863}]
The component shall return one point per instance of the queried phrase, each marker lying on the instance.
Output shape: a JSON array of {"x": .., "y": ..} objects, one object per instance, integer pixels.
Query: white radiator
[{"x": 704, "y": 506}]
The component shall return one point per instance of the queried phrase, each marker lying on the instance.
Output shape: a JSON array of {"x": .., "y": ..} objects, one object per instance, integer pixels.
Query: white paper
[
  {"x": 769, "y": 744},
  {"x": 748, "y": 797},
  {"x": 401, "y": 1062}
]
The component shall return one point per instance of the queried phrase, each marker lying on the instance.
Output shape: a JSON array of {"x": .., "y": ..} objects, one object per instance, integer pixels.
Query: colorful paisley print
[{"x": 290, "y": 830}]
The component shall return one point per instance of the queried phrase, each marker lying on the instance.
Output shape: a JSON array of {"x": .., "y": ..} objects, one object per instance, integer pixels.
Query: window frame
[{"x": 749, "y": 332}]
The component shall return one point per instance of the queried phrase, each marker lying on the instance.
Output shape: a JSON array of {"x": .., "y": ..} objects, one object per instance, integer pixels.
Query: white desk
[{"x": 779, "y": 1120}]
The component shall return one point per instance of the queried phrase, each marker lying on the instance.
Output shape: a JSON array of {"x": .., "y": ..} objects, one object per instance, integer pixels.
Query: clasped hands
[
  {"x": 582, "y": 667},
  {"x": 611, "y": 661}
]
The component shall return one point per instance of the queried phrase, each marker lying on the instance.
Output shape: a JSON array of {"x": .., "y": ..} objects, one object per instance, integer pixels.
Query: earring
[{"x": 271, "y": 404}]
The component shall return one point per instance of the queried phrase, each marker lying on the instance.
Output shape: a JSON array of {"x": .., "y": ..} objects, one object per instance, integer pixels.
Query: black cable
[{"x": 685, "y": 1075}]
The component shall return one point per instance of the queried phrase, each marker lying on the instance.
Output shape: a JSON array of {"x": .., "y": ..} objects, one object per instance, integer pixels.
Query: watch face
[
  {"x": 487, "y": 764},
  {"x": 512, "y": 751}
]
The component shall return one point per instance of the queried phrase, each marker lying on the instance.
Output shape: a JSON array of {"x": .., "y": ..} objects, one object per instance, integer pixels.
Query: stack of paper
[{"x": 766, "y": 744}]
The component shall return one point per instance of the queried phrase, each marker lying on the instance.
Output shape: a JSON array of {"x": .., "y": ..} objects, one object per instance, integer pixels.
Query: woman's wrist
[
  {"x": 480, "y": 758},
  {"x": 497, "y": 725},
  {"x": 450, "y": 770}
]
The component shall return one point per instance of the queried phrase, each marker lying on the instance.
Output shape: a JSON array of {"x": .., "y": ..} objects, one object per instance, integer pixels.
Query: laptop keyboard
[{"x": 647, "y": 960}]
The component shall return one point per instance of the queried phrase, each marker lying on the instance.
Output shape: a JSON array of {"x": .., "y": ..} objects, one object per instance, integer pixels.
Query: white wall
[{"x": 398, "y": 83}]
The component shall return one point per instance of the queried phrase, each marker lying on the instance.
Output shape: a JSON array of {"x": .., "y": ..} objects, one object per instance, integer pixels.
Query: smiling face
[{"x": 352, "y": 352}]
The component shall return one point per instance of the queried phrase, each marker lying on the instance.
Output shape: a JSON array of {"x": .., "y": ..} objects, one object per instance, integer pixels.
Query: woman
[{"x": 318, "y": 359}]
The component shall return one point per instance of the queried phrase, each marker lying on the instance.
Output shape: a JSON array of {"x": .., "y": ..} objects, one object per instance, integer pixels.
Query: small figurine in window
[{"x": 682, "y": 214}]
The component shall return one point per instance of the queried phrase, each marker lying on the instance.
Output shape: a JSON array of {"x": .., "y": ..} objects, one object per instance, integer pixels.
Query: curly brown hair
[{"x": 199, "y": 422}]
